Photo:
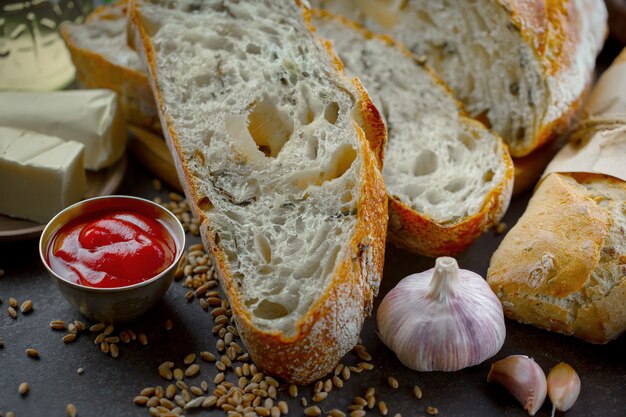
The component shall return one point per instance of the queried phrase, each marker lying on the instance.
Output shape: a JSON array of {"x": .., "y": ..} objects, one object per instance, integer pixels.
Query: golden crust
[
  {"x": 132, "y": 87},
  {"x": 542, "y": 270},
  {"x": 414, "y": 231},
  {"x": 331, "y": 326},
  {"x": 553, "y": 31},
  {"x": 419, "y": 233}
]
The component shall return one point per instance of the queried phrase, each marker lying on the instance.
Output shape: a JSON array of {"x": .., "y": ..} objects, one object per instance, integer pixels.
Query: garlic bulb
[
  {"x": 563, "y": 387},
  {"x": 523, "y": 378},
  {"x": 443, "y": 319}
]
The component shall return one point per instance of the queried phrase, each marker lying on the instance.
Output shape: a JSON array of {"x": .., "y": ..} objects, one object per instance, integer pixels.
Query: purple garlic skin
[{"x": 443, "y": 319}]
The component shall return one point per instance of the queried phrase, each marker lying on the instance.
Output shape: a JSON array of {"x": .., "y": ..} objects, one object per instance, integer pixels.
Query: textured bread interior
[
  {"x": 104, "y": 32},
  {"x": 269, "y": 143},
  {"x": 475, "y": 48},
  {"x": 437, "y": 161}
]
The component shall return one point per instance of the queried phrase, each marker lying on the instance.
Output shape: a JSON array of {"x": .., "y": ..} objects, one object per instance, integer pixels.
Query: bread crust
[
  {"x": 332, "y": 325},
  {"x": 417, "y": 232},
  {"x": 565, "y": 36},
  {"x": 95, "y": 71},
  {"x": 414, "y": 231},
  {"x": 542, "y": 271}
]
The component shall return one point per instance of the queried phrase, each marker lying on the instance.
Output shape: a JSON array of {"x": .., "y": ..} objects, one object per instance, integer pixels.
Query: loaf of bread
[
  {"x": 563, "y": 266},
  {"x": 272, "y": 145},
  {"x": 102, "y": 58},
  {"x": 448, "y": 178},
  {"x": 522, "y": 66}
]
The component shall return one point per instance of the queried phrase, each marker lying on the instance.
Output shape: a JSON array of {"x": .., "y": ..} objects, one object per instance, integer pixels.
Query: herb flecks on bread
[
  {"x": 265, "y": 133},
  {"x": 449, "y": 178},
  {"x": 522, "y": 66}
]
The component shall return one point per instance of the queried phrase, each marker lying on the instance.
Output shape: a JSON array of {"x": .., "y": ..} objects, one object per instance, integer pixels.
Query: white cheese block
[
  {"x": 39, "y": 175},
  {"x": 91, "y": 117}
]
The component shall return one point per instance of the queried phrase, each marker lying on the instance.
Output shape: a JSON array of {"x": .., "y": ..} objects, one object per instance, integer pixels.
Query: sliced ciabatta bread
[
  {"x": 448, "y": 178},
  {"x": 102, "y": 58},
  {"x": 269, "y": 139},
  {"x": 522, "y": 64}
]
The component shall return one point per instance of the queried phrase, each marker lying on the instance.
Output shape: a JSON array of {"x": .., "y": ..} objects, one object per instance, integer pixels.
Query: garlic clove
[
  {"x": 523, "y": 378},
  {"x": 563, "y": 387}
]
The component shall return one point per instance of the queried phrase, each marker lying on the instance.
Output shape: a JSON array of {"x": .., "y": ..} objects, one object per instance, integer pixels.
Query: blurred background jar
[{"x": 32, "y": 55}]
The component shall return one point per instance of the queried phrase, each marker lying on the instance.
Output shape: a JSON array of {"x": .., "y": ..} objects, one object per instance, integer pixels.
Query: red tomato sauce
[{"x": 111, "y": 249}]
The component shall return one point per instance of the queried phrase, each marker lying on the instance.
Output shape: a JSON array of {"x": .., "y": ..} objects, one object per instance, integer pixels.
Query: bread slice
[
  {"x": 269, "y": 139},
  {"x": 102, "y": 58},
  {"x": 448, "y": 178},
  {"x": 522, "y": 65},
  {"x": 563, "y": 266}
]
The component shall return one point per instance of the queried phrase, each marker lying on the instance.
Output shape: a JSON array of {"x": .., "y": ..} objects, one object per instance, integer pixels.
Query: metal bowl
[{"x": 120, "y": 304}]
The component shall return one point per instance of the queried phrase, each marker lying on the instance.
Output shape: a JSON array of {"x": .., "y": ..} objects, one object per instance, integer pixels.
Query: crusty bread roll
[
  {"x": 521, "y": 65},
  {"x": 103, "y": 59},
  {"x": 448, "y": 178},
  {"x": 563, "y": 266},
  {"x": 270, "y": 141}
]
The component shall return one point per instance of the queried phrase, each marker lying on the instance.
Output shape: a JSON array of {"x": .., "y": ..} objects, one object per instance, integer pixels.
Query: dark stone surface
[{"x": 107, "y": 386}]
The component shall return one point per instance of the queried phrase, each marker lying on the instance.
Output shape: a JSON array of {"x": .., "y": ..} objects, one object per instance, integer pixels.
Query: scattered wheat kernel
[
  {"x": 33, "y": 353},
  {"x": 363, "y": 355},
  {"x": 209, "y": 402},
  {"x": 165, "y": 373},
  {"x": 293, "y": 390},
  {"x": 337, "y": 382},
  {"x": 108, "y": 330},
  {"x": 417, "y": 392},
  {"x": 12, "y": 302},
  {"x": 353, "y": 407},
  {"x": 178, "y": 374},
  {"x": 69, "y": 338},
  {"x": 319, "y": 396},
  {"x": 57, "y": 325},
  {"x": 319, "y": 385},
  {"x": 153, "y": 401},
  {"x": 26, "y": 307},
  {"x": 148, "y": 392},
  {"x": 23, "y": 388},
  {"x": 80, "y": 326},
  {"x": 124, "y": 336},
  {"x": 275, "y": 411},
  {"x": 104, "y": 347},
  {"x": 156, "y": 184},
  {"x": 99, "y": 339},
  {"x": 189, "y": 359},
  {"x": 143, "y": 339},
  {"x": 71, "y": 410},
  {"x": 112, "y": 339},
  {"x": 170, "y": 391},
  {"x": 382, "y": 407},
  {"x": 336, "y": 413},
  {"x": 357, "y": 413},
  {"x": 12, "y": 312},
  {"x": 197, "y": 391},
  {"x": 312, "y": 411},
  {"x": 80, "y": 371},
  {"x": 432, "y": 410},
  {"x": 283, "y": 407},
  {"x": 114, "y": 350},
  {"x": 97, "y": 328},
  {"x": 393, "y": 383},
  {"x": 303, "y": 402},
  {"x": 360, "y": 401},
  {"x": 169, "y": 325},
  {"x": 371, "y": 402}
]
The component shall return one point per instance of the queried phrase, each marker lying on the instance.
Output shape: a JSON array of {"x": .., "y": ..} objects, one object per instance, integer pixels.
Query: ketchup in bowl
[{"x": 111, "y": 248}]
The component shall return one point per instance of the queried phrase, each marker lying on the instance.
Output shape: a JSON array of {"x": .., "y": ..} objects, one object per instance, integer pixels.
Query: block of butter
[
  {"x": 39, "y": 175},
  {"x": 91, "y": 117}
]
